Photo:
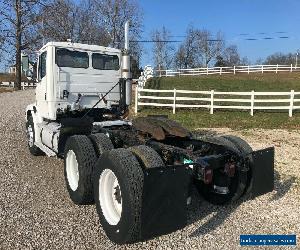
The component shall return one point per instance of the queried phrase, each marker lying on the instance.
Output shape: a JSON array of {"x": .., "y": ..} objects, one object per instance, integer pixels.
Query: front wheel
[{"x": 118, "y": 188}]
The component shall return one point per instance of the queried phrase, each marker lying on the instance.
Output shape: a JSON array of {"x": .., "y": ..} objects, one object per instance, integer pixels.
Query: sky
[{"x": 275, "y": 18}]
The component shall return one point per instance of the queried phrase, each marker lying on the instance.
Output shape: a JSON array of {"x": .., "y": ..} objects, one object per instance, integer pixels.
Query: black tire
[
  {"x": 101, "y": 143},
  {"x": 34, "y": 150},
  {"x": 147, "y": 157},
  {"x": 237, "y": 183},
  {"x": 86, "y": 158},
  {"x": 130, "y": 177},
  {"x": 245, "y": 150}
]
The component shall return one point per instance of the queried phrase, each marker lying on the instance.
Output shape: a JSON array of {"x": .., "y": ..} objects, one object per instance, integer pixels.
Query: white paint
[
  {"x": 72, "y": 170},
  {"x": 227, "y": 70},
  {"x": 110, "y": 205},
  {"x": 212, "y": 102}
]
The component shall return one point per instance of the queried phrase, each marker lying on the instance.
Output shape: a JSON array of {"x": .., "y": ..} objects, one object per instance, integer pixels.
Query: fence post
[
  {"x": 262, "y": 69},
  {"x": 291, "y": 103},
  {"x": 252, "y": 103},
  {"x": 174, "y": 102},
  {"x": 277, "y": 69},
  {"x": 248, "y": 69},
  {"x": 220, "y": 71},
  {"x": 136, "y": 99},
  {"x": 207, "y": 70},
  {"x": 291, "y": 67},
  {"x": 212, "y": 102},
  {"x": 234, "y": 69}
]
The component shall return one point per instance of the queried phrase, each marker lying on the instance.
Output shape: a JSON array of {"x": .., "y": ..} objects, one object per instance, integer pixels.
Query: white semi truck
[{"x": 139, "y": 173}]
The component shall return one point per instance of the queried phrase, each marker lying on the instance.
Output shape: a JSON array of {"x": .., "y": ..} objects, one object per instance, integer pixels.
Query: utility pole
[
  {"x": 18, "y": 78},
  {"x": 297, "y": 54}
]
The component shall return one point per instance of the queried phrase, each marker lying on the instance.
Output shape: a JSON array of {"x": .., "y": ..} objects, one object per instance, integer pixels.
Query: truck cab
[
  {"x": 72, "y": 80},
  {"x": 73, "y": 77}
]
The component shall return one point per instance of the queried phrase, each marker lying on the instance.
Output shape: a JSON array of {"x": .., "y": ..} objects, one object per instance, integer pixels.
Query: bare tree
[
  {"x": 231, "y": 56},
  {"x": 280, "y": 58},
  {"x": 65, "y": 19},
  {"x": 199, "y": 48},
  {"x": 59, "y": 21},
  {"x": 113, "y": 15},
  {"x": 208, "y": 47},
  {"x": 180, "y": 58},
  {"x": 186, "y": 54},
  {"x": 89, "y": 28},
  {"x": 245, "y": 61},
  {"x": 259, "y": 61},
  {"x": 163, "y": 51},
  {"x": 20, "y": 18}
]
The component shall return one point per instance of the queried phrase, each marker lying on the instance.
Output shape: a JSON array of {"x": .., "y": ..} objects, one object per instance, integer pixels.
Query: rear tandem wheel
[{"x": 237, "y": 185}]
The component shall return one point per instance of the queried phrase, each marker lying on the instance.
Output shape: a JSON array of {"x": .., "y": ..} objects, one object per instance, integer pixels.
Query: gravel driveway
[{"x": 36, "y": 212}]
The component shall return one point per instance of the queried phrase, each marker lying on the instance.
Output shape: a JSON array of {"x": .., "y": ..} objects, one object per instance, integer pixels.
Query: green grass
[
  {"x": 200, "y": 118},
  {"x": 195, "y": 119},
  {"x": 240, "y": 82}
]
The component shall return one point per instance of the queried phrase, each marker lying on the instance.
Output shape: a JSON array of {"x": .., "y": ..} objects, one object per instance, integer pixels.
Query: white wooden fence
[
  {"x": 24, "y": 85},
  {"x": 213, "y": 100},
  {"x": 227, "y": 70}
]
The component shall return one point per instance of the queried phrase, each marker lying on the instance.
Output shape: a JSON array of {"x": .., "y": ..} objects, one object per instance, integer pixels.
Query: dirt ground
[{"x": 36, "y": 212}]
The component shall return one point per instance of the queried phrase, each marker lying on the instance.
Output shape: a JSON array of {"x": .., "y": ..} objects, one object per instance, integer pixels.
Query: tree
[
  {"x": 27, "y": 24},
  {"x": 208, "y": 47},
  {"x": 280, "y": 58},
  {"x": 245, "y": 61},
  {"x": 186, "y": 54},
  {"x": 259, "y": 61},
  {"x": 89, "y": 28},
  {"x": 162, "y": 50},
  {"x": 199, "y": 48},
  {"x": 113, "y": 14},
  {"x": 220, "y": 62},
  {"x": 180, "y": 56},
  {"x": 63, "y": 20},
  {"x": 59, "y": 21},
  {"x": 20, "y": 18},
  {"x": 231, "y": 56}
]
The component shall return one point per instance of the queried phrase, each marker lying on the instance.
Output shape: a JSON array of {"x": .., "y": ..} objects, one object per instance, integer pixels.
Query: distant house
[{"x": 12, "y": 69}]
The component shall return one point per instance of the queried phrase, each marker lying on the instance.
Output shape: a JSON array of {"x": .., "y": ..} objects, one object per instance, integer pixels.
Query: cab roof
[{"x": 80, "y": 46}]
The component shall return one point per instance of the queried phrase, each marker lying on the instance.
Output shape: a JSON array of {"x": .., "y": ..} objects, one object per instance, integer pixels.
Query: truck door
[{"x": 41, "y": 88}]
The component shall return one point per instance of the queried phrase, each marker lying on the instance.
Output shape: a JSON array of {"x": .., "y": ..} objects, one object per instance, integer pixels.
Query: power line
[{"x": 170, "y": 41}]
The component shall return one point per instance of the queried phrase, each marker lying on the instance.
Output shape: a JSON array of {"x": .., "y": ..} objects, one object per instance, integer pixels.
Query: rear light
[
  {"x": 229, "y": 169},
  {"x": 207, "y": 176}
]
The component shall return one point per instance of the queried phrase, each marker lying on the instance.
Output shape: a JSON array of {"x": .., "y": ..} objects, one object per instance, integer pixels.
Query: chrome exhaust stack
[{"x": 126, "y": 73}]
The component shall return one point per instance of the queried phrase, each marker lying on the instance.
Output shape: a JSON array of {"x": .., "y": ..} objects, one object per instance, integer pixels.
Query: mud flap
[
  {"x": 164, "y": 205},
  {"x": 262, "y": 172}
]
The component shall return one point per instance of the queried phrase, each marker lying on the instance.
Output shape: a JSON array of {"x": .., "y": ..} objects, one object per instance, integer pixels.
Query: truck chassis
[{"x": 140, "y": 173}]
